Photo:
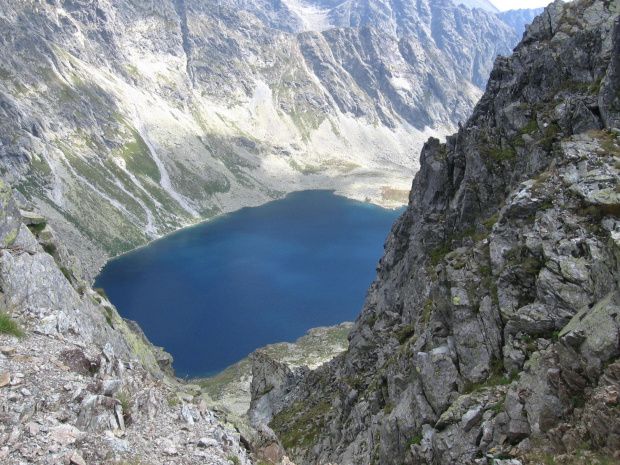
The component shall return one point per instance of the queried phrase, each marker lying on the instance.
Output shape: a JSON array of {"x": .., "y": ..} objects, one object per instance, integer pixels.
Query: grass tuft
[{"x": 9, "y": 326}]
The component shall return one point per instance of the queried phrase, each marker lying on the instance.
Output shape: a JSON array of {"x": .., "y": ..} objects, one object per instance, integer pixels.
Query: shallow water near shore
[{"x": 213, "y": 293}]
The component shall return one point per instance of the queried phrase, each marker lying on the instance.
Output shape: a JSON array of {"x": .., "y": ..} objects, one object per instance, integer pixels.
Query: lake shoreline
[
  {"x": 386, "y": 206},
  {"x": 291, "y": 265}
]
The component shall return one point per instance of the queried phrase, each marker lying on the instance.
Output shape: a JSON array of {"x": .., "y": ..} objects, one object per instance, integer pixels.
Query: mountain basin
[{"x": 215, "y": 292}]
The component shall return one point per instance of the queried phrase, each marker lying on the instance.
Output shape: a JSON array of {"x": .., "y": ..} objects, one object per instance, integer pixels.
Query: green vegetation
[
  {"x": 306, "y": 169},
  {"x": 50, "y": 249},
  {"x": 405, "y": 333},
  {"x": 496, "y": 377},
  {"x": 427, "y": 310},
  {"x": 439, "y": 252},
  {"x": 9, "y": 326},
  {"x": 108, "y": 316},
  {"x": 499, "y": 406},
  {"x": 215, "y": 386},
  {"x": 37, "y": 228},
  {"x": 101, "y": 292},
  {"x": 549, "y": 135},
  {"x": 498, "y": 155},
  {"x": 126, "y": 401},
  {"x": 582, "y": 456},
  {"x": 414, "y": 441},
  {"x": 299, "y": 425},
  {"x": 529, "y": 128},
  {"x": 65, "y": 272}
]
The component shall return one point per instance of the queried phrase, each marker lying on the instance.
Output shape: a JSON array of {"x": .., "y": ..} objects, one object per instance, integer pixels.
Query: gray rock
[
  {"x": 110, "y": 387},
  {"x": 207, "y": 442},
  {"x": 10, "y": 218},
  {"x": 187, "y": 414},
  {"x": 439, "y": 377},
  {"x": 508, "y": 238},
  {"x": 97, "y": 414}
]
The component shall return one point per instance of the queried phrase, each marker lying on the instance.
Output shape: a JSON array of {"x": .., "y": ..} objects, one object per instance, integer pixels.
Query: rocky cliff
[
  {"x": 80, "y": 385},
  {"x": 122, "y": 121},
  {"x": 492, "y": 328}
]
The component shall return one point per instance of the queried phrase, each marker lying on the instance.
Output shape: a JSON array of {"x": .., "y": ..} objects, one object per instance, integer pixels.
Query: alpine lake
[{"x": 213, "y": 293}]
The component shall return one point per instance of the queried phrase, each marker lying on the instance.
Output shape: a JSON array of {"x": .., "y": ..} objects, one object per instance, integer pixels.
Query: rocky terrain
[
  {"x": 80, "y": 385},
  {"x": 122, "y": 121},
  {"x": 232, "y": 388},
  {"x": 492, "y": 330}
]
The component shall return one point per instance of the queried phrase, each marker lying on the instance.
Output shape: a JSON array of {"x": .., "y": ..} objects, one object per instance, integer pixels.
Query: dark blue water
[{"x": 213, "y": 293}]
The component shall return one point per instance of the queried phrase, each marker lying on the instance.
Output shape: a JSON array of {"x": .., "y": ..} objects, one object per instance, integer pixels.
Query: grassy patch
[
  {"x": 101, "y": 292},
  {"x": 216, "y": 386},
  {"x": 9, "y": 326},
  {"x": 50, "y": 249},
  {"x": 414, "y": 441},
  {"x": 439, "y": 252},
  {"x": 37, "y": 228},
  {"x": 497, "y": 154},
  {"x": 108, "y": 316},
  {"x": 126, "y": 401},
  {"x": 496, "y": 378},
  {"x": 299, "y": 425},
  {"x": 65, "y": 272},
  {"x": 490, "y": 222},
  {"x": 549, "y": 135},
  {"x": 405, "y": 333}
]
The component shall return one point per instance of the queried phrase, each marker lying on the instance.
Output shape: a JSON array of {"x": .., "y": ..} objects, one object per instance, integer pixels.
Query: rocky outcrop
[
  {"x": 232, "y": 388},
  {"x": 491, "y": 330},
  {"x": 122, "y": 121},
  {"x": 80, "y": 385}
]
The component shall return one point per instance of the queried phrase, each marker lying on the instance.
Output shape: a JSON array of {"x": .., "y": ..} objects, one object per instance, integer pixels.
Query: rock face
[
  {"x": 83, "y": 385},
  {"x": 121, "y": 121},
  {"x": 492, "y": 327},
  {"x": 232, "y": 388},
  {"x": 466, "y": 39}
]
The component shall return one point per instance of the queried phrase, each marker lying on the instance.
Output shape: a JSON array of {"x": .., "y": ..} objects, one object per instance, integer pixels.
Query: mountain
[
  {"x": 492, "y": 329},
  {"x": 482, "y": 4},
  {"x": 469, "y": 39},
  {"x": 518, "y": 19},
  {"x": 123, "y": 121}
]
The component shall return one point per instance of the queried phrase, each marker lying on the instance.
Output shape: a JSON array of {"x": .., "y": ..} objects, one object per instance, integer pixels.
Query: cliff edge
[{"x": 492, "y": 329}]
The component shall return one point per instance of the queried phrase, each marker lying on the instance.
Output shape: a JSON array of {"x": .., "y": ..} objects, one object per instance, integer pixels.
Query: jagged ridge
[{"x": 478, "y": 336}]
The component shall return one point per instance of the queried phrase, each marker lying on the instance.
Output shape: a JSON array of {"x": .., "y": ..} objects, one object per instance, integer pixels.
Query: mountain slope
[
  {"x": 78, "y": 384},
  {"x": 123, "y": 121},
  {"x": 518, "y": 19},
  {"x": 468, "y": 39},
  {"x": 492, "y": 327}
]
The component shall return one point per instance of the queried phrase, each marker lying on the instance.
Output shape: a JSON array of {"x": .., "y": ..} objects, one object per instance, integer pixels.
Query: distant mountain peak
[{"x": 482, "y": 4}]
